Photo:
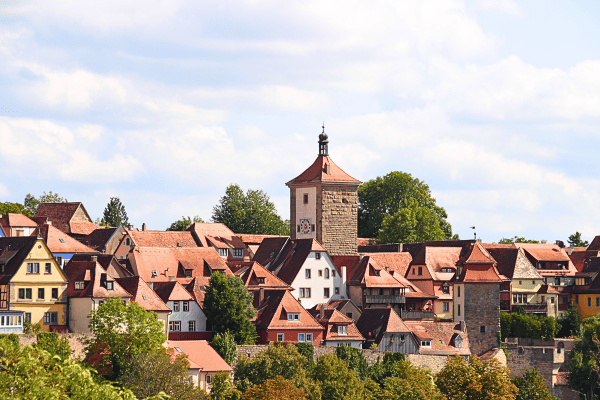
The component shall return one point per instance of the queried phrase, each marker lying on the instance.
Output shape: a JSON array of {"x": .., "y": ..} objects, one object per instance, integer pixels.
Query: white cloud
[{"x": 509, "y": 7}]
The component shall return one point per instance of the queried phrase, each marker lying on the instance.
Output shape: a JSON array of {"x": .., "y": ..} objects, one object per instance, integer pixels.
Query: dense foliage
[
  {"x": 183, "y": 223},
  {"x": 14, "y": 208},
  {"x": 228, "y": 307},
  {"x": 224, "y": 344},
  {"x": 517, "y": 239},
  {"x": 114, "y": 213},
  {"x": 570, "y": 323},
  {"x": 584, "y": 369},
  {"x": 54, "y": 344},
  {"x": 31, "y": 202},
  {"x": 412, "y": 213},
  {"x": 575, "y": 240},
  {"x": 251, "y": 213},
  {"x": 532, "y": 386},
  {"x": 528, "y": 326}
]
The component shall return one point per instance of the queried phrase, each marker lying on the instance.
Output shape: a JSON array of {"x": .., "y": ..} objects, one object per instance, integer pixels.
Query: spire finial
[{"x": 323, "y": 143}]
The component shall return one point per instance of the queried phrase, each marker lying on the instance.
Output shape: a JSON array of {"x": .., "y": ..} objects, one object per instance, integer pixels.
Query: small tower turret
[{"x": 323, "y": 143}]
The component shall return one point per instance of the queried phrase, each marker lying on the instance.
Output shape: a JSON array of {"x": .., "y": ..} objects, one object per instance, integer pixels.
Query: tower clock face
[{"x": 305, "y": 226}]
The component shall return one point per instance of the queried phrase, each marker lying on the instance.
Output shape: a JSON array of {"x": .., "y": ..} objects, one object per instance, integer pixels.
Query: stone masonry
[
  {"x": 482, "y": 315},
  {"x": 338, "y": 219}
]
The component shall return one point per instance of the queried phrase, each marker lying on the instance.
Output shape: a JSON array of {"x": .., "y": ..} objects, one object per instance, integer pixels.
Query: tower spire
[{"x": 323, "y": 143}]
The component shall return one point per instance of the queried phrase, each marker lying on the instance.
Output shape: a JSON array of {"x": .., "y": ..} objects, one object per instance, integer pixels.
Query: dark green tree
[
  {"x": 575, "y": 240},
  {"x": 31, "y": 202},
  {"x": 114, "y": 213},
  {"x": 252, "y": 213},
  {"x": 224, "y": 344},
  {"x": 228, "y": 307},
  {"x": 223, "y": 388},
  {"x": 355, "y": 359},
  {"x": 274, "y": 389},
  {"x": 570, "y": 323},
  {"x": 183, "y": 223},
  {"x": 54, "y": 344},
  {"x": 532, "y": 386},
  {"x": 386, "y": 196},
  {"x": 14, "y": 208},
  {"x": 410, "y": 224},
  {"x": 119, "y": 332},
  {"x": 584, "y": 369},
  {"x": 516, "y": 239},
  {"x": 336, "y": 380}
]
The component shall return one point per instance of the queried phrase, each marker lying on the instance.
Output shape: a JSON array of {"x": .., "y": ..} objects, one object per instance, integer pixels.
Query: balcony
[
  {"x": 390, "y": 299},
  {"x": 417, "y": 314},
  {"x": 532, "y": 308}
]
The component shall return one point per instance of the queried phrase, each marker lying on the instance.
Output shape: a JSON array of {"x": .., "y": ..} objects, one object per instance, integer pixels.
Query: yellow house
[
  {"x": 587, "y": 298},
  {"x": 32, "y": 282}
]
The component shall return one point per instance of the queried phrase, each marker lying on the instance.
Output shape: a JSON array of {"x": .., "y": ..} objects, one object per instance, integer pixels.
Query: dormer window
[
  {"x": 79, "y": 285},
  {"x": 188, "y": 273},
  {"x": 446, "y": 289},
  {"x": 377, "y": 272},
  {"x": 261, "y": 281},
  {"x": 342, "y": 330},
  {"x": 61, "y": 240},
  {"x": 223, "y": 252},
  {"x": 154, "y": 274},
  {"x": 293, "y": 316},
  {"x": 317, "y": 256},
  {"x": 238, "y": 253},
  {"x": 127, "y": 242},
  {"x": 425, "y": 343},
  {"x": 110, "y": 285}
]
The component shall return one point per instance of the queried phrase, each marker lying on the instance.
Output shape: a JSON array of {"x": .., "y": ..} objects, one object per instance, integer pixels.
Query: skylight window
[
  {"x": 178, "y": 349},
  {"x": 62, "y": 240},
  {"x": 145, "y": 297}
]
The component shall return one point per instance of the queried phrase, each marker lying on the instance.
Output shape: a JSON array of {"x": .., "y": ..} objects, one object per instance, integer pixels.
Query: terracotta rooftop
[
  {"x": 255, "y": 276},
  {"x": 507, "y": 257},
  {"x": 13, "y": 251},
  {"x": 59, "y": 242},
  {"x": 544, "y": 252},
  {"x": 581, "y": 258},
  {"x": 98, "y": 238},
  {"x": 107, "y": 261},
  {"x": 162, "y": 238},
  {"x": 330, "y": 319},
  {"x": 272, "y": 313},
  {"x": 143, "y": 294},
  {"x": 17, "y": 220},
  {"x": 324, "y": 170},
  {"x": 171, "y": 291},
  {"x": 442, "y": 335},
  {"x": 61, "y": 215},
  {"x": 91, "y": 274},
  {"x": 375, "y": 322},
  {"x": 595, "y": 245},
  {"x": 200, "y": 355}
]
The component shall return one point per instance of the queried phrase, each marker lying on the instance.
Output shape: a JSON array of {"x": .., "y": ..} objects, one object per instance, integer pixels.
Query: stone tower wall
[
  {"x": 293, "y": 219},
  {"x": 338, "y": 219},
  {"x": 482, "y": 308}
]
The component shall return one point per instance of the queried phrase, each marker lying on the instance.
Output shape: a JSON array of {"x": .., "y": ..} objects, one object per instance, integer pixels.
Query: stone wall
[
  {"x": 482, "y": 308},
  {"x": 338, "y": 219}
]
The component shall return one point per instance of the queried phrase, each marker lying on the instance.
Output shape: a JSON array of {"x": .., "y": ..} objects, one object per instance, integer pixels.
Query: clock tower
[{"x": 324, "y": 204}]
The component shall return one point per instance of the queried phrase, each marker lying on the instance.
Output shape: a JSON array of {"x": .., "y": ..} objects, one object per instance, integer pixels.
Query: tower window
[{"x": 305, "y": 198}]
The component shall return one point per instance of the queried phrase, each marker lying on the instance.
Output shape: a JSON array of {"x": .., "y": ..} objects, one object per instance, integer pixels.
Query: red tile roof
[
  {"x": 317, "y": 173},
  {"x": 98, "y": 238},
  {"x": 478, "y": 255},
  {"x": 442, "y": 336},
  {"x": 375, "y": 322},
  {"x": 17, "y": 220},
  {"x": 143, "y": 294},
  {"x": 161, "y": 238},
  {"x": 13, "y": 251},
  {"x": 107, "y": 261},
  {"x": 200, "y": 355},
  {"x": 251, "y": 271},
  {"x": 171, "y": 291},
  {"x": 434, "y": 259},
  {"x": 82, "y": 227},
  {"x": 581, "y": 258},
  {"x": 249, "y": 239},
  {"x": 272, "y": 313},
  {"x": 91, "y": 274},
  {"x": 60, "y": 214},
  {"x": 59, "y": 242},
  {"x": 330, "y": 319},
  {"x": 393, "y": 262},
  {"x": 544, "y": 252},
  {"x": 595, "y": 245}
]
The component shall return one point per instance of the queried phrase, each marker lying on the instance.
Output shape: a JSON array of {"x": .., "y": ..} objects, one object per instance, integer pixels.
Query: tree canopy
[
  {"x": 575, "y": 240},
  {"x": 532, "y": 386},
  {"x": 251, "y": 213},
  {"x": 183, "y": 223},
  {"x": 114, "y": 213},
  {"x": 31, "y": 202},
  {"x": 516, "y": 239},
  {"x": 14, "y": 208},
  {"x": 224, "y": 344},
  {"x": 528, "y": 326},
  {"x": 228, "y": 307},
  {"x": 119, "y": 332},
  {"x": 387, "y": 196},
  {"x": 584, "y": 369}
]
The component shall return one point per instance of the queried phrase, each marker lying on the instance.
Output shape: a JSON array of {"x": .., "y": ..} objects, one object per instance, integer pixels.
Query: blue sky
[{"x": 495, "y": 104}]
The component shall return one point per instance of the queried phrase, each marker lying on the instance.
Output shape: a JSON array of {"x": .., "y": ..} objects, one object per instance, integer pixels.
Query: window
[
  {"x": 380, "y": 291},
  {"x": 27, "y": 317},
  {"x": 192, "y": 326},
  {"x": 238, "y": 253},
  {"x": 280, "y": 337},
  {"x": 304, "y": 293},
  {"x": 552, "y": 299},
  {"x": 110, "y": 285},
  {"x": 458, "y": 291},
  {"x": 326, "y": 292},
  {"x": 176, "y": 306},
  {"x": 309, "y": 338},
  {"x": 333, "y": 273},
  {"x": 533, "y": 282},
  {"x": 25, "y": 294},
  {"x": 320, "y": 272},
  {"x": 305, "y": 198},
  {"x": 446, "y": 289},
  {"x": 188, "y": 273},
  {"x": 33, "y": 268},
  {"x": 326, "y": 273},
  {"x": 55, "y": 293},
  {"x": 41, "y": 294},
  {"x": 589, "y": 301},
  {"x": 597, "y": 301},
  {"x": 514, "y": 298},
  {"x": 223, "y": 252},
  {"x": 208, "y": 379},
  {"x": 128, "y": 242},
  {"x": 301, "y": 337},
  {"x": 185, "y": 306},
  {"x": 48, "y": 268},
  {"x": 293, "y": 316},
  {"x": 50, "y": 318},
  {"x": 446, "y": 306},
  {"x": 307, "y": 273},
  {"x": 175, "y": 326},
  {"x": 337, "y": 290},
  {"x": 154, "y": 274},
  {"x": 482, "y": 329},
  {"x": 317, "y": 256},
  {"x": 342, "y": 330},
  {"x": 377, "y": 272},
  {"x": 543, "y": 299},
  {"x": 20, "y": 232},
  {"x": 576, "y": 299},
  {"x": 59, "y": 260},
  {"x": 425, "y": 343},
  {"x": 261, "y": 281},
  {"x": 420, "y": 270},
  {"x": 458, "y": 310},
  {"x": 520, "y": 282}
]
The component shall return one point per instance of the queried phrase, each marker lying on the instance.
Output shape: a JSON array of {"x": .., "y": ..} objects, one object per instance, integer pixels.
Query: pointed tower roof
[{"x": 324, "y": 169}]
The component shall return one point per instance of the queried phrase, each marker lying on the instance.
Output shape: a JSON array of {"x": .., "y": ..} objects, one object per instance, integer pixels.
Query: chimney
[
  {"x": 144, "y": 226},
  {"x": 94, "y": 258},
  {"x": 463, "y": 326},
  {"x": 151, "y": 284},
  {"x": 261, "y": 295}
]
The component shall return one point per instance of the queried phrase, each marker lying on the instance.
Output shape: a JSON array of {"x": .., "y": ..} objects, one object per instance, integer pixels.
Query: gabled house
[
  {"x": 346, "y": 307},
  {"x": 586, "y": 292},
  {"x": 281, "y": 318},
  {"x": 581, "y": 257},
  {"x": 257, "y": 279},
  {"x": 340, "y": 330},
  {"x": 204, "y": 361},
  {"x": 107, "y": 261},
  {"x": 143, "y": 294},
  {"x": 104, "y": 239},
  {"x": 133, "y": 238},
  {"x": 89, "y": 287},
  {"x": 304, "y": 265},
  {"x": 440, "y": 338},
  {"x": 62, "y": 246},
  {"x": 16, "y": 225},
  {"x": 187, "y": 320},
  {"x": 219, "y": 236},
  {"x": 253, "y": 242},
  {"x": 32, "y": 282},
  {"x": 71, "y": 218},
  {"x": 385, "y": 328}
]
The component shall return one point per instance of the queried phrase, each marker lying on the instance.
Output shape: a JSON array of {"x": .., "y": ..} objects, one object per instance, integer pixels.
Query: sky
[{"x": 495, "y": 104}]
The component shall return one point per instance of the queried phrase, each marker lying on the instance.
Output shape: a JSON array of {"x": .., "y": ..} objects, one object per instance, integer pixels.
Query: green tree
[
  {"x": 308, "y": 351},
  {"x": 31, "y": 202},
  {"x": 183, "y": 223},
  {"x": 410, "y": 224},
  {"x": 516, "y": 239},
  {"x": 14, "y": 208},
  {"x": 228, "y": 307},
  {"x": 570, "y": 323},
  {"x": 224, "y": 344},
  {"x": 584, "y": 369},
  {"x": 119, "y": 332},
  {"x": 522, "y": 325},
  {"x": 355, "y": 359},
  {"x": 336, "y": 380},
  {"x": 160, "y": 371},
  {"x": 53, "y": 344},
  {"x": 114, "y": 213},
  {"x": 532, "y": 386},
  {"x": 251, "y": 213},
  {"x": 575, "y": 240},
  {"x": 274, "y": 389},
  {"x": 222, "y": 387},
  {"x": 388, "y": 195},
  {"x": 475, "y": 380}
]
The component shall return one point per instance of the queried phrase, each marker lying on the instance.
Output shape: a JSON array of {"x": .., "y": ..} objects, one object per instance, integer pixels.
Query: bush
[
  {"x": 32, "y": 329},
  {"x": 13, "y": 337},
  {"x": 53, "y": 344}
]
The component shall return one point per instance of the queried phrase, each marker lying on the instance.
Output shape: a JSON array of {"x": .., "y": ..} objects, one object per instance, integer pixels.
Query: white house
[{"x": 186, "y": 314}]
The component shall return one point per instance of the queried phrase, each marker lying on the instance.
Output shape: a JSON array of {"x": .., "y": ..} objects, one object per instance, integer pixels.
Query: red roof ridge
[{"x": 324, "y": 170}]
